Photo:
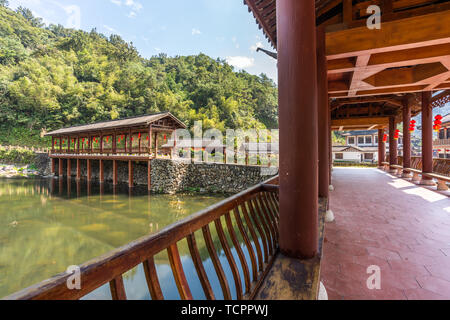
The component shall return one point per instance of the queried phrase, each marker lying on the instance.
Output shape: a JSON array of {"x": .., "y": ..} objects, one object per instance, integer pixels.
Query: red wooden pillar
[
  {"x": 101, "y": 143},
  {"x": 101, "y": 172},
  {"x": 130, "y": 174},
  {"x": 131, "y": 143},
  {"x": 427, "y": 137},
  {"x": 60, "y": 145},
  {"x": 406, "y": 138},
  {"x": 149, "y": 175},
  {"x": 323, "y": 110},
  {"x": 53, "y": 145},
  {"x": 69, "y": 169},
  {"x": 381, "y": 148},
  {"x": 156, "y": 144},
  {"x": 392, "y": 144},
  {"x": 60, "y": 169},
  {"x": 150, "y": 138},
  {"x": 297, "y": 83},
  {"x": 114, "y": 144},
  {"x": 89, "y": 170},
  {"x": 78, "y": 170},
  {"x": 53, "y": 166},
  {"x": 115, "y": 182}
]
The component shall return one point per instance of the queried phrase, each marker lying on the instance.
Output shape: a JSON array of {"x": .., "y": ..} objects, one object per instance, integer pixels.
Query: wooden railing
[
  {"x": 440, "y": 166},
  {"x": 441, "y": 142},
  {"x": 255, "y": 213}
]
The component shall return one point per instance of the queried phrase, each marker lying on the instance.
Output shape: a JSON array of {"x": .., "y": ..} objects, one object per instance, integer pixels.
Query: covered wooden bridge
[
  {"x": 132, "y": 139},
  {"x": 336, "y": 72}
]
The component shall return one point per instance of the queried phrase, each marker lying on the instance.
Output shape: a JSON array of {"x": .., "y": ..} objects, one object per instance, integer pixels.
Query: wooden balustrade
[
  {"x": 440, "y": 166},
  {"x": 256, "y": 216}
]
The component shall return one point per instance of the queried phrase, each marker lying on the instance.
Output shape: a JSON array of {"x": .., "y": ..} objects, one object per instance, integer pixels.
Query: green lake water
[{"x": 48, "y": 225}]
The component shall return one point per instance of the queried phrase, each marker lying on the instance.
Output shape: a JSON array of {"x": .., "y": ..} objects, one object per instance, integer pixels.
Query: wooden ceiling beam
[{"x": 431, "y": 29}]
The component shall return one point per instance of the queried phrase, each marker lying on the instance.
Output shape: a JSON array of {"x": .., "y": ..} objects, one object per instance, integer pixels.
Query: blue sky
[{"x": 218, "y": 28}]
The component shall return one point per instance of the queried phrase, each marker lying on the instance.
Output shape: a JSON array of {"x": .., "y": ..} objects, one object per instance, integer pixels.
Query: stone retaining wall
[{"x": 170, "y": 176}]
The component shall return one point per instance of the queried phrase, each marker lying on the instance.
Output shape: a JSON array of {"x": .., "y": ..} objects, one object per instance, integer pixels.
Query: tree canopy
[{"x": 53, "y": 77}]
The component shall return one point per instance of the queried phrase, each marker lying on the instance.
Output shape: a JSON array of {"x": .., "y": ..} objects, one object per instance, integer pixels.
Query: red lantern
[
  {"x": 385, "y": 138},
  {"x": 139, "y": 136},
  {"x": 165, "y": 138},
  {"x": 147, "y": 138},
  {"x": 437, "y": 123}
]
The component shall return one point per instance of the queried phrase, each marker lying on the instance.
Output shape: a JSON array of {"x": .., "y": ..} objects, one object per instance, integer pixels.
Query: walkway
[{"x": 391, "y": 223}]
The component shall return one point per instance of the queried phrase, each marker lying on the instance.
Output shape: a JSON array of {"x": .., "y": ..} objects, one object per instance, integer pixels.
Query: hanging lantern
[
  {"x": 165, "y": 138},
  {"x": 397, "y": 134},
  {"x": 385, "y": 138},
  {"x": 139, "y": 135},
  {"x": 147, "y": 138},
  {"x": 412, "y": 126},
  {"x": 437, "y": 123}
]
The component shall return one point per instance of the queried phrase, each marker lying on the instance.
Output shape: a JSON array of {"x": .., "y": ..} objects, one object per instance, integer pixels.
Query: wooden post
[
  {"x": 393, "y": 156},
  {"x": 427, "y": 137},
  {"x": 156, "y": 144},
  {"x": 114, "y": 144},
  {"x": 140, "y": 138},
  {"x": 115, "y": 182},
  {"x": 53, "y": 165},
  {"x": 89, "y": 170},
  {"x": 381, "y": 148},
  {"x": 78, "y": 144},
  {"x": 130, "y": 174},
  {"x": 101, "y": 143},
  {"x": 69, "y": 168},
  {"x": 131, "y": 142},
  {"x": 78, "y": 169},
  {"x": 101, "y": 172},
  {"x": 68, "y": 144},
  {"x": 53, "y": 144},
  {"x": 297, "y": 83},
  {"x": 174, "y": 134},
  {"x": 150, "y": 138},
  {"x": 60, "y": 145},
  {"x": 149, "y": 175},
  {"x": 406, "y": 138},
  {"x": 323, "y": 110},
  {"x": 60, "y": 171}
]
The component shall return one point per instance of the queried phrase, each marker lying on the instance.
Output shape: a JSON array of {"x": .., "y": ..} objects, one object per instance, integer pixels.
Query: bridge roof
[{"x": 121, "y": 124}]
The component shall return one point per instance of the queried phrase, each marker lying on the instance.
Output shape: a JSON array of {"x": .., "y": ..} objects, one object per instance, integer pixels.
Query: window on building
[
  {"x": 368, "y": 140},
  {"x": 339, "y": 156},
  {"x": 360, "y": 140},
  {"x": 368, "y": 156},
  {"x": 400, "y": 141},
  {"x": 441, "y": 134},
  {"x": 351, "y": 140}
]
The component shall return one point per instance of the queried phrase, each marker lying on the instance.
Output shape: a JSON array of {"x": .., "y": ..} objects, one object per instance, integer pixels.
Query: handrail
[
  {"x": 257, "y": 207},
  {"x": 440, "y": 166}
]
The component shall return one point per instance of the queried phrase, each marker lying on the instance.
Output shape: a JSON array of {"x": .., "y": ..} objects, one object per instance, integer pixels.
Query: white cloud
[
  {"x": 135, "y": 6},
  {"x": 196, "y": 31},
  {"x": 241, "y": 62},
  {"x": 256, "y": 46}
]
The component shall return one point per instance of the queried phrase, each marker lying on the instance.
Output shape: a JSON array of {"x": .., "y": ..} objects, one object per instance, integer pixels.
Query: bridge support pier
[
  {"x": 101, "y": 172},
  {"x": 69, "y": 169},
  {"x": 115, "y": 173},
  {"x": 149, "y": 175},
  {"x": 78, "y": 170},
  {"x": 89, "y": 170},
  {"x": 60, "y": 169},
  {"x": 130, "y": 174}
]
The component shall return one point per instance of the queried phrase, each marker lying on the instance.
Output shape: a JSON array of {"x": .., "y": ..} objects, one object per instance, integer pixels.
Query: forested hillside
[{"x": 52, "y": 77}]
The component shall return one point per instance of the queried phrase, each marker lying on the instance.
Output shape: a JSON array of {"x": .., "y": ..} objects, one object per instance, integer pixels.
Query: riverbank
[{"x": 12, "y": 171}]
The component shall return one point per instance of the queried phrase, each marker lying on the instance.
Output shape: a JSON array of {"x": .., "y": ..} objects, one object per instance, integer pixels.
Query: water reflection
[{"x": 47, "y": 225}]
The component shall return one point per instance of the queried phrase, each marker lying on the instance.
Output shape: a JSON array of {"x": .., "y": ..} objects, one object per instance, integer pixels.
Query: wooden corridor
[{"x": 386, "y": 221}]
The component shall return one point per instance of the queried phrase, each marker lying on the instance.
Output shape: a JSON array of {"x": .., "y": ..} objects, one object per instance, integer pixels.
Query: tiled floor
[{"x": 387, "y": 222}]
